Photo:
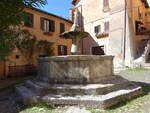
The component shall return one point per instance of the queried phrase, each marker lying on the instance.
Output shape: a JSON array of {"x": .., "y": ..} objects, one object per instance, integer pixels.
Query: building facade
[
  {"x": 118, "y": 27},
  {"x": 44, "y": 26}
]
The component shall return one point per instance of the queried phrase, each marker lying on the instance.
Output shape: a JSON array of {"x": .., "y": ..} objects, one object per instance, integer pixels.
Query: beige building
[{"x": 118, "y": 27}]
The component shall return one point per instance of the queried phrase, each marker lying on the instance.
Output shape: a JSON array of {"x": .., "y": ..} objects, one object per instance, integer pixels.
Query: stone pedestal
[
  {"x": 77, "y": 80},
  {"x": 76, "y": 69}
]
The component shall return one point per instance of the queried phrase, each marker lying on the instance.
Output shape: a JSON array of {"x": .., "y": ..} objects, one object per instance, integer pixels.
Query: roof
[{"x": 39, "y": 10}]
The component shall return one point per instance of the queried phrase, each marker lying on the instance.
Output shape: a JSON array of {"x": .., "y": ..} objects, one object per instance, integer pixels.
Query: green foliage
[
  {"x": 11, "y": 15},
  {"x": 7, "y": 39},
  {"x": 30, "y": 46},
  {"x": 45, "y": 47},
  {"x": 12, "y": 11}
]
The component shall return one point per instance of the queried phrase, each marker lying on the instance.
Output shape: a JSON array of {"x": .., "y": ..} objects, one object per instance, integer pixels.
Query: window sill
[
  {"x": 102, "y": 35},
  {"x": 48, "y": 33}
]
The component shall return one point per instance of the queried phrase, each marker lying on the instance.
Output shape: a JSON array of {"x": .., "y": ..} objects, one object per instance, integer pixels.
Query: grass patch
[{"x": 137, "y": 69}]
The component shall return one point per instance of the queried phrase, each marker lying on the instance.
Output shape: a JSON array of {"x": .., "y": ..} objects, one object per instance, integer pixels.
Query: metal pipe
[{"x": 125, "y": 25}]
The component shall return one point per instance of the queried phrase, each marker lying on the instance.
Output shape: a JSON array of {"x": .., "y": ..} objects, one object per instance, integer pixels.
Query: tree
[
  {"x": 30, "y": 47},
  {"x": 11, "y": 15}
]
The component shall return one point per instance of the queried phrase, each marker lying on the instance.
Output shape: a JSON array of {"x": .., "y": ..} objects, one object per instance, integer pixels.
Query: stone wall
[{"x": 75, "y": 69}]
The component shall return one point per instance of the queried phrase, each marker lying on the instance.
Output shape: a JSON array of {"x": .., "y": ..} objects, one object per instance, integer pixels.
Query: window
[
  {"x": 106, "y": 27},
  {"x": 17, "y": 56},
  {"x": 97, "y": 29},
  {"x": 106, "y": 5},
  {"x": 29, "y": 20},
  {"x": 47, "y": 25},
  {"x": 62, "y": 50},
  {"x": 62, "y": 28}
]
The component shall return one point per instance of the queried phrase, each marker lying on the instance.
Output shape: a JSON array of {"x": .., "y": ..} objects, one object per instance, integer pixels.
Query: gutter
[{"x": 124, "y": 40}]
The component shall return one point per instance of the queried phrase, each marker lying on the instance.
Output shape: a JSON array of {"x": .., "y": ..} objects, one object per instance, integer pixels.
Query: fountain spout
[{"x": 76, "y": 34}]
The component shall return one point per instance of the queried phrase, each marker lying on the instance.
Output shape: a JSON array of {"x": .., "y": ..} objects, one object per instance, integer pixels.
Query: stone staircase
[
  {"x": 100, "y": 95},
  {"x": 146, "y": 65}
]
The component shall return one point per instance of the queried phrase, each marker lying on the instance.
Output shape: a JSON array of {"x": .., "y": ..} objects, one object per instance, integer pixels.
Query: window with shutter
[
  {"x": 47, "y": 25},
  {"x": 106, "y": 5},
  {"x": 29, "y": 20},
  {"x": 62, "y": 28},
  {"x": 97, "y": 29},
  {"x": 62, "y": 50},
  {"x": 106, "y": 27}
]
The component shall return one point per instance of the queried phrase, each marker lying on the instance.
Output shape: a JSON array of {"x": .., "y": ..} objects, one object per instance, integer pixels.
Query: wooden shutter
[
  {"x": 62, "y": 28},
  {"x": 106, "y": 24},
  {"x": 51, "y": 26},
  {"x": 59, "y": 50},
  {"x": 42, "y": 23},
  {"x": 65, "y": 50},
  {"x": 29, "y": 20}
]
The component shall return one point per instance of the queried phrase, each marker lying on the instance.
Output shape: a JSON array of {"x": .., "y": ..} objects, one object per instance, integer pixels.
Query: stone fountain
[{"x": 84, "y": 80}]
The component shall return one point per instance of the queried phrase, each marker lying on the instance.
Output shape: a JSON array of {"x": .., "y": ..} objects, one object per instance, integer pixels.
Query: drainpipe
[{"x": 125, "y": 26}]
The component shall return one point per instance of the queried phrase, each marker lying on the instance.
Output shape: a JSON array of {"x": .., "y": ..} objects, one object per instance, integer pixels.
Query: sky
[{"x": 58, "y": 7}]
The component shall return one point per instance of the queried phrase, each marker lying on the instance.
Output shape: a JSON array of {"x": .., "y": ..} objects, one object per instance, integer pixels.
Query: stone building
[{"x": 116, "y": 27}]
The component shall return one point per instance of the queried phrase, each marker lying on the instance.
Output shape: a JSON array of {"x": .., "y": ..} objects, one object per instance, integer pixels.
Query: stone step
[
  {"x": 96, "y": 101},
  {"x": 28, "y": 96},
  {"x": 146, "y": 65},
  {"x": 69, "y": 89}
]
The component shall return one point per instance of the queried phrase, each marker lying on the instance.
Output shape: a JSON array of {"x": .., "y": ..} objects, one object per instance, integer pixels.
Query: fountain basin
[{"x": 75, "y": 69}]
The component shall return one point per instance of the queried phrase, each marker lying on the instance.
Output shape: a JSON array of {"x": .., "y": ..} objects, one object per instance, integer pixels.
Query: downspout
[{"x": 125, "y": 26}]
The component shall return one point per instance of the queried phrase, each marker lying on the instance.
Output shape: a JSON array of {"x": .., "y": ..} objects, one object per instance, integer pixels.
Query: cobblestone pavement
[
  {"x": 138, "y": 76},
  {"x": 141, "y": 78}
]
